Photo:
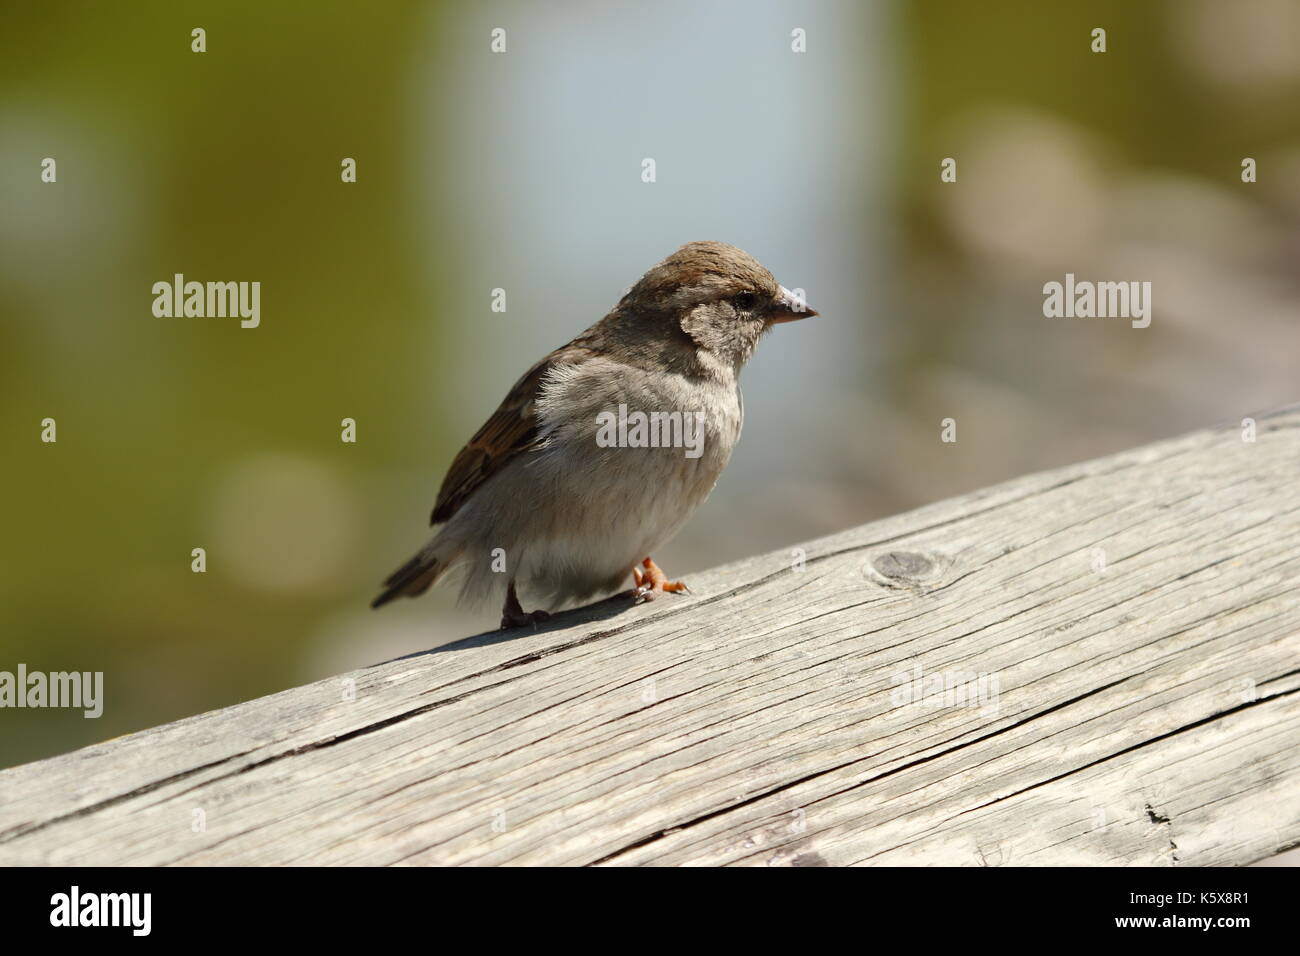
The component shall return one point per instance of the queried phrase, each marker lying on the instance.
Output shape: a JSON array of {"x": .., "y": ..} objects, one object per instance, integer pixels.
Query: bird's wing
[{"x": 512, "y": 430}]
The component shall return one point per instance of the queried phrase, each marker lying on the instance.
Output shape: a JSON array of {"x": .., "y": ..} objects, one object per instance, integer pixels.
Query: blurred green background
[{"x": 522, "y": 171}]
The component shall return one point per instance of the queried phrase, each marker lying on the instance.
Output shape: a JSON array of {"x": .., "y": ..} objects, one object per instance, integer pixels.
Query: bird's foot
[
  {"x": 513, "y": 614},
  {"x": 652, "y": 582},
  {"x": 522, "y": 618}
]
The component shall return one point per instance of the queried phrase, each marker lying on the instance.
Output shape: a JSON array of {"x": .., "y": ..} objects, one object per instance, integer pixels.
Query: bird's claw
[
  {"x": 513, "y": 615},
  {"x": 652, "y": 582},
  {"x": 511, "y": 619}
]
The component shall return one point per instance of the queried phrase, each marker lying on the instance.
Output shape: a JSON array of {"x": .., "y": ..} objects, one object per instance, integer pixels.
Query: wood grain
[{"x": 1130, "y": 628}]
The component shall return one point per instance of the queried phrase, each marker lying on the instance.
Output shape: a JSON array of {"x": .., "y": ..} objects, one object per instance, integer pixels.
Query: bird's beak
[{"x": 788, "y": 307}]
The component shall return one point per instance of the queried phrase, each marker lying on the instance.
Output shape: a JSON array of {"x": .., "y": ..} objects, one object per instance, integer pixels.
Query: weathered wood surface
[{"x": 1141, "y": 614}]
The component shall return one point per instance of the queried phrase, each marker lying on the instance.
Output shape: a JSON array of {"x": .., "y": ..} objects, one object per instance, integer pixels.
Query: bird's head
[{"x": 721, "y": 297}]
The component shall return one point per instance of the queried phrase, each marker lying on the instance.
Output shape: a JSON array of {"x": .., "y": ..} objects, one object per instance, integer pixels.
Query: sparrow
[{"x": 549, "y": 496}]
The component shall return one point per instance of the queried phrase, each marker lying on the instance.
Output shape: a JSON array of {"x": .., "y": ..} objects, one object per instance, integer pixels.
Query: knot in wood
[{"x": 906, "y": 569}]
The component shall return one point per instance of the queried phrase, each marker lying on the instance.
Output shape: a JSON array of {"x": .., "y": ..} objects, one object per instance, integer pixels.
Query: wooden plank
[{"x": 1128, "y": 630}]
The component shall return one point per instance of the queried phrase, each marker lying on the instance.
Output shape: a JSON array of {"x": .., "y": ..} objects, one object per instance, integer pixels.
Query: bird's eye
[{"x": 745, "y": 301}]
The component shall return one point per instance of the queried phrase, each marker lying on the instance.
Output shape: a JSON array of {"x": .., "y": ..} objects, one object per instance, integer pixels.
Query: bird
[{"x": 569, "y": 487}]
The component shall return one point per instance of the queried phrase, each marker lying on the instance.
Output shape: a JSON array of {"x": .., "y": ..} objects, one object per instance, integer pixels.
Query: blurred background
[{"x": 522, "y": 170}]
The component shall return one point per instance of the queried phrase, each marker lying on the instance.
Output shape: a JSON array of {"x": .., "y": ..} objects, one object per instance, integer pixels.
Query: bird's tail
[{"x": 413, "y": 578}]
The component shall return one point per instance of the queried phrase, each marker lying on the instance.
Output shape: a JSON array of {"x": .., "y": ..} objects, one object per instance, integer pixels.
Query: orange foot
[
  {"x": 513, "y": 615},
  {"x": 653, "y": 582}
]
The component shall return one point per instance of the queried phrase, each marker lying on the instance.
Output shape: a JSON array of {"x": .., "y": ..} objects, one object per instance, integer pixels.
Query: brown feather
[
  {"x": 511, "y": 430},
  {"x": 412, "y": 578}
]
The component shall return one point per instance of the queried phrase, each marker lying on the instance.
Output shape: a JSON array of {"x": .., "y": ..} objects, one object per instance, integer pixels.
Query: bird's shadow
[{"x": 588, "y": 614}]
